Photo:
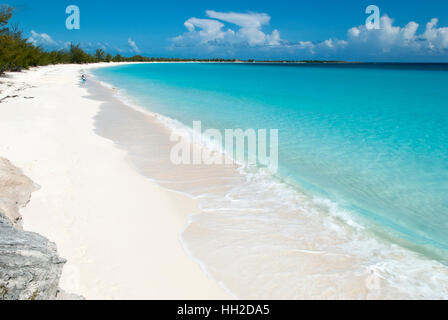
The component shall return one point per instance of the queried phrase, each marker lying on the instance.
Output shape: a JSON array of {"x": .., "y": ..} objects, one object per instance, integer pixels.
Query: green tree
[
  {"x": 118, "y": 58},
  {"x": 5, "y": 16},
  {"x": 77, "y": 55},
  {"x": 100, "y": 55}
]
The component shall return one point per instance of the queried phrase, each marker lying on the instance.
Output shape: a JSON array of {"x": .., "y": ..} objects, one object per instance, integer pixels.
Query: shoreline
[
  {"x": 117, "y": 229},
  {"x": 152, "y": 122}
]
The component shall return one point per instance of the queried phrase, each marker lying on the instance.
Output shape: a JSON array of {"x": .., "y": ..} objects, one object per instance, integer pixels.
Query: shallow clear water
[{"x": 373, "y": 138}]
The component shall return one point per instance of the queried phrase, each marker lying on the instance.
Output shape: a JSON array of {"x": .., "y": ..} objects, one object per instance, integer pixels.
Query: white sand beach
[{"x": 118, "y": 230}]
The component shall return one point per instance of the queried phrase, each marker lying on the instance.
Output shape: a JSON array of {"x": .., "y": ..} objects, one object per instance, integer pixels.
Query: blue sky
[{"x": 412, "y": 30}]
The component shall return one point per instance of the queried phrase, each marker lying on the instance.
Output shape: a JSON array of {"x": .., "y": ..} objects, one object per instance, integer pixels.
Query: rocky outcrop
[
  {"x": 15, "y": 191},
  {"x": 30, "y": 267}
]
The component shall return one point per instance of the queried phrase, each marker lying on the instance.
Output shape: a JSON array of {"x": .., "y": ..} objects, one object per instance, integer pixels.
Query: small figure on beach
[{"x": 84, "y": 79}]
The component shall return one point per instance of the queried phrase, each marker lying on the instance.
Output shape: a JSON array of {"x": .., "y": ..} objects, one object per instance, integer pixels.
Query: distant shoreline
[{"x": 304, "y": 62}]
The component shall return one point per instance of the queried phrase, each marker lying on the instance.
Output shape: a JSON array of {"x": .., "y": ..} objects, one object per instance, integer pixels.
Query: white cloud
[
  {"x": 212, "y": 33},
  {"x": 388, "y": 36},
  {"x": 243, "y": 20},
  {"x": 390, "y": 41},
  {"x": 208, "y": 26},
  {"x": 133, "y": 45},
  {"x": 41, "y": 39},
  {"x": 437, "y": 38},
  {"x": 398, "y": 41},
  {"x": 274, "y": 39}
]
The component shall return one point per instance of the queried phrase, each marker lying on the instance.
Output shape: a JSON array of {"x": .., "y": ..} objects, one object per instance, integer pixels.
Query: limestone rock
[{"x": 30, "y": 267}]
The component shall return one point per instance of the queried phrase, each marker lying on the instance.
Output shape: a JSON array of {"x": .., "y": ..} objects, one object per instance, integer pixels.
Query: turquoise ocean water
[{"x": 372, "y": 138}]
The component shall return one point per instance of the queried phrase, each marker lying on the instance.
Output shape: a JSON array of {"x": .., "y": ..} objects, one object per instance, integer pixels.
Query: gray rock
[{"x": 30, "y": 267}]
